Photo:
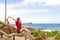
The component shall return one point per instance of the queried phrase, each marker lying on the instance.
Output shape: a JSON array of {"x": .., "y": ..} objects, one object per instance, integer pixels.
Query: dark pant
[{"x": 18, "y": 31}]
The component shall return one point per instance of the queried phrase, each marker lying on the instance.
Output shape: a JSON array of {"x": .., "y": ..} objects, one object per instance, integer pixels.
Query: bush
[
  {"x": 52, "y": 33},
  {"x": 37, "y": 33}
]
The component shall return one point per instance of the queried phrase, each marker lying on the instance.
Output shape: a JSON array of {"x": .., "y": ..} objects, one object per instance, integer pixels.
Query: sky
[{"x": 35, "y": 11}]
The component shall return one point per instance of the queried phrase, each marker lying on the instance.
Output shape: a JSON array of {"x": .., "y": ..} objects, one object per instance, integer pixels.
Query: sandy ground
[{"x": 16, "y": 38}]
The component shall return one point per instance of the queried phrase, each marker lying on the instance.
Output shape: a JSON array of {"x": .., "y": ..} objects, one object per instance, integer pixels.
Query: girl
[{"x": 19, "y": 25}]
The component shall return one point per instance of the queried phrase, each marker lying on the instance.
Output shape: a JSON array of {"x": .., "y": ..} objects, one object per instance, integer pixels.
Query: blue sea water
[{"x": 44, "y": 26}]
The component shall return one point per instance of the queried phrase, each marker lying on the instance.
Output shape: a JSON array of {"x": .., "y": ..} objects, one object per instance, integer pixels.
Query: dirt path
[{"x": 16, "y": 38}]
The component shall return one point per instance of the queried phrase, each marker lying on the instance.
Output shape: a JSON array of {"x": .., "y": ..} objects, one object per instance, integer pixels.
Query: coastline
[{"x": 47, "y": 30}]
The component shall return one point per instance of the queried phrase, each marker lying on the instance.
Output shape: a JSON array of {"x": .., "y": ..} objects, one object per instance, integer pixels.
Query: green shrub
[
  {"x": 37, "y": 33},
  {"x": 0, "y": 22}
]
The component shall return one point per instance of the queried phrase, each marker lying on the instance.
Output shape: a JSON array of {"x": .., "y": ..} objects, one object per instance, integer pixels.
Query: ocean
[{"x": 44, "y": 26}]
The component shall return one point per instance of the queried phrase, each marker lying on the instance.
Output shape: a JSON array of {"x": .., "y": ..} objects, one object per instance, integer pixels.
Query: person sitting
[{"x": 19, "y": 25}]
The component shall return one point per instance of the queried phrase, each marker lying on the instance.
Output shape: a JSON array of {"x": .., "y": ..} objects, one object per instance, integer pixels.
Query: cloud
[
  {"x": 52, "y": 2},
  {"x": 11, "y": 11},
  {"x": 43, "y": 2},
  {"x": 2, "y": 6},
  {"x": 20, "y": 12},
  {"x": 17, "y": 12},
  {"x": 28, "y": 3},
  {"x": 38, "y": 20}
]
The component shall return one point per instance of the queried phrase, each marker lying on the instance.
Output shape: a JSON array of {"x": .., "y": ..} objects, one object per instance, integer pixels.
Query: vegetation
[
  {"x": 37, "y": 33},
  {"x": 1, "y": 24}
]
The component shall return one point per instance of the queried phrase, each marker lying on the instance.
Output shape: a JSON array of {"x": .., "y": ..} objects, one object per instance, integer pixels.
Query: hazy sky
[{"x": 36, "y": 11}]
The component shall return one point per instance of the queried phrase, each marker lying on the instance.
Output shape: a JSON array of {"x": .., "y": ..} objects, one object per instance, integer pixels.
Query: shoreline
[{"x": 47, "y": 30}]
